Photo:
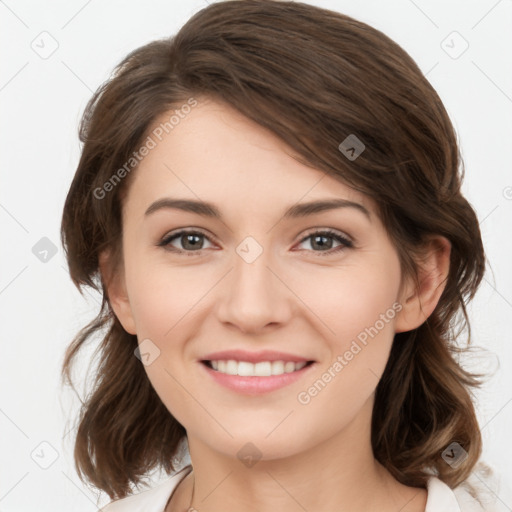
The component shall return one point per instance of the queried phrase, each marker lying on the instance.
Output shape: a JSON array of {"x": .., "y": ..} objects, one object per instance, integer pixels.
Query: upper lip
[{"x": 253, "y": 357}]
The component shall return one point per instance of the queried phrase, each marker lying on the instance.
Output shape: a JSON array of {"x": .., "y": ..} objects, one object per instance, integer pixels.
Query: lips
[{"x": 255, "y": 372}]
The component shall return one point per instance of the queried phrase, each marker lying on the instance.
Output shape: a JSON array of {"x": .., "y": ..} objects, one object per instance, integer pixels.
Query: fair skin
[{"x": 293, "y": 298}]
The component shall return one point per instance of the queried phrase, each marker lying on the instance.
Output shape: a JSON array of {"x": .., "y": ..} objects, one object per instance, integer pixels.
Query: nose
[{"x": 253, "y": 296}]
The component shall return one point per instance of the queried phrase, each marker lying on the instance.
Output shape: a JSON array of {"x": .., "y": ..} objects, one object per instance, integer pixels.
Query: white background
[{"x": 41, "y": 102}]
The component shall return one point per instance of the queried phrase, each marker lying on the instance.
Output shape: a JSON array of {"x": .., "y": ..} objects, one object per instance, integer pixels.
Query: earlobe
[
  {"x": 114, "y": 282},
  {"x": 420, "y": 299}
]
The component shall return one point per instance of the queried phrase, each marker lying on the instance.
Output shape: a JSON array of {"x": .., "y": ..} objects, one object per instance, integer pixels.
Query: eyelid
[{"x": 330, "y": 231}]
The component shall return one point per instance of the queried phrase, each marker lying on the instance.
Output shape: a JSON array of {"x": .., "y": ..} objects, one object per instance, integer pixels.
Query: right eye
[{"x": 191, "y": 241}]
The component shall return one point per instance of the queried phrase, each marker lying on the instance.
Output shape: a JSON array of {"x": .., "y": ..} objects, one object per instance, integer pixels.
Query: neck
[{"x": 339, "y": 474}]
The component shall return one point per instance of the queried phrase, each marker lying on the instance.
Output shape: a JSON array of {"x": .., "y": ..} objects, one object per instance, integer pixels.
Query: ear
[
  {"x": 419, "y": 300},
  {"x": 114, "y": 281}
]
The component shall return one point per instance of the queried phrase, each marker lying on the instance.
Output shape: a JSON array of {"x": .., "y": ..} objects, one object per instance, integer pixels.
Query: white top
[{"x": 483, "y": 483}]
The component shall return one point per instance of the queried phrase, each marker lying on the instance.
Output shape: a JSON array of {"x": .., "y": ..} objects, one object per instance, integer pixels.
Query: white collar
[{"x": 440, "y": 497}]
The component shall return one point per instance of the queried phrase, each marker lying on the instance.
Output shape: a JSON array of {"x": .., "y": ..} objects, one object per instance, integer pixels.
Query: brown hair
[{"x": 313, "y": 77}]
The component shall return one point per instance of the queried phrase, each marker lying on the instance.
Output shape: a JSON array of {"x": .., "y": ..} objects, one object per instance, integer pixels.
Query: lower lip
[{"x": 256, "y": 385}]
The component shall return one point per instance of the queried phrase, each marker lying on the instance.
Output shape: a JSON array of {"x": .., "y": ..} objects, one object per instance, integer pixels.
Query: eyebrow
[{"x": 206, "y": 209}]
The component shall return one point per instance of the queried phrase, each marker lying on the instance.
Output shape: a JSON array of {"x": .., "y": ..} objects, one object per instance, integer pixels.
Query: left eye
[{"x": 321, "y": 239}]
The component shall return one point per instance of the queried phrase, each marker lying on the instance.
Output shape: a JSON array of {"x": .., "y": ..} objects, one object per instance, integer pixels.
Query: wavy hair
[{"x": 313, "y": 77}]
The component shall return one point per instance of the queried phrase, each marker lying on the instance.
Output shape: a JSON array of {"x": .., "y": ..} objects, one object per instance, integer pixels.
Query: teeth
[{"x": 261, "y": 369}]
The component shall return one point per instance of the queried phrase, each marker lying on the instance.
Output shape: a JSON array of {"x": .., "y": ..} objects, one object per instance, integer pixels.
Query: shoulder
[
  {"x": 483, "y": 491},
  {"x": 150, "y": 500}
]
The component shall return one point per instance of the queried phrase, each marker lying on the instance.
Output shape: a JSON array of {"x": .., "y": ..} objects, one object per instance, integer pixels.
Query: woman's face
[{"x": 259, "y": 276}]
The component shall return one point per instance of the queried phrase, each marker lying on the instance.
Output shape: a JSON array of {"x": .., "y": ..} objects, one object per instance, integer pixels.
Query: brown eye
[
  {"x": 190, "y": 241},
  {"x": 324, "y": 240}
]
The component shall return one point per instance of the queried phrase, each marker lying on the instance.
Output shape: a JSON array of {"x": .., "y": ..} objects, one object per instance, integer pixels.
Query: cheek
[
  {"x": 351, "y": 299},
  {"x": 358, "y": 306},
  {"x": 163, "y": 296},
  {"x": 162, "y": 299}
]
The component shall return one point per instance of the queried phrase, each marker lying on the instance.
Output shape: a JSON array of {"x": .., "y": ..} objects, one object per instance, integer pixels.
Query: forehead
[{"x": 215, "y": 153}]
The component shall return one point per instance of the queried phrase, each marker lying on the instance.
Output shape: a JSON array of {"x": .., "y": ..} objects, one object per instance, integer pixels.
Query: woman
[{"x": 270, "y": 202}]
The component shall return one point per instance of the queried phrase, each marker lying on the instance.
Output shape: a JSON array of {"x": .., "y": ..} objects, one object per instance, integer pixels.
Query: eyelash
[{"x": 345, "y": 242}]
